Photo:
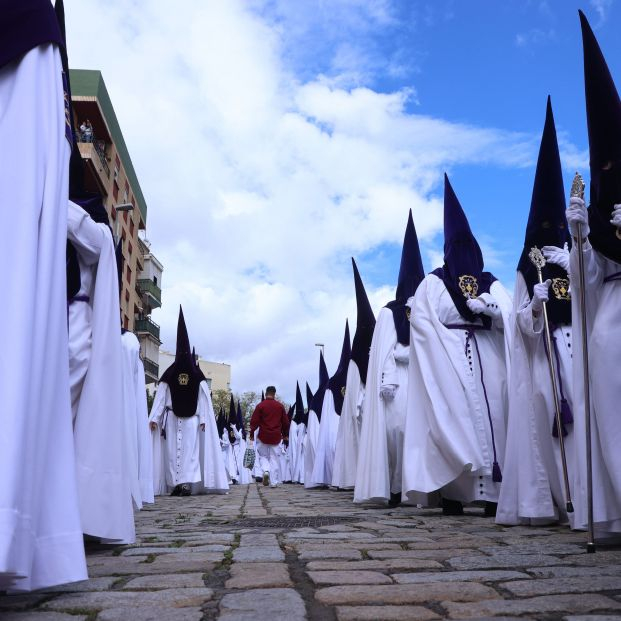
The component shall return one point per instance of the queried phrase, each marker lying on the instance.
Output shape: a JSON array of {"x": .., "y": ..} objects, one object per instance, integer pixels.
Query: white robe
[
  {"x": 41, "y": 541},
  {"x": 95, "y": 367},
  {"x": 137, "y": 435},
  {"x": 300, "y": 453},
  {"x": 228, "y": 459},
  {"x": 380, "y": 452},
  {"x": 310, "y": 446},
  {"x": 447, "y": 434},
  {"x": 348, "y": 437},
  {"x": 239, "y": 449},
  {"x": 190, "y": 456},
  {"x": 214, "y": 479},
  {"x": 532, "y": 487},
  {"x": 293, "y": 451},
  {"x": 326, "y": 443},
  {"x": 604, "y": 339}
]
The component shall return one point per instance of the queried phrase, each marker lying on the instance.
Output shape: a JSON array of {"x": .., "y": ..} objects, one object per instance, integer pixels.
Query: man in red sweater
[{"x": 273, "y": 424}]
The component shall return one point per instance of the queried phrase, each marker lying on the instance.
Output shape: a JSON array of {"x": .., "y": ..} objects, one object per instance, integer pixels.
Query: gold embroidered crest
[
  {"x": 560, "y": 287},
  {"x": 343, "y": 391},
  {"x": 183, "y": 379},
  {"x": 469, "y": 286}
]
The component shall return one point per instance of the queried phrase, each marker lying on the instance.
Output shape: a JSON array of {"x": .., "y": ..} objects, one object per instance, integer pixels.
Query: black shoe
[
  {"x": 176, "y": 491},
  {"x": 395, "y": 499},
  {"x": 452, "y": 507},
  {"x": 186, "y": 490},
  {"x": 258, "y": 479},
  {"x": 490, "y": 509}
]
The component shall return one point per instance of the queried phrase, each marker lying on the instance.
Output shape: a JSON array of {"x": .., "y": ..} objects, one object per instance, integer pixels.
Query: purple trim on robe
[{"x": 25, "y": 24}]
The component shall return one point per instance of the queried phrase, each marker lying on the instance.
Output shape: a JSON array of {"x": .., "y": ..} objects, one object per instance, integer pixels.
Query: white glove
[
  {"x": 476, "y": 305},
  {"x": 540, "y": 295},
  {"x": 616, "y": 217},
  {"x": 577, "y": 214},
  {"x": 388, "y": 391},
  {"x": 557, "y": 256},
  {"x": 485, "y": 305}
]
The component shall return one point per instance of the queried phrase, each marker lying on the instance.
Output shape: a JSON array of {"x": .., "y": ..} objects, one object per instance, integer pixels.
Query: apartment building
[{"x": 109, "y": 171}]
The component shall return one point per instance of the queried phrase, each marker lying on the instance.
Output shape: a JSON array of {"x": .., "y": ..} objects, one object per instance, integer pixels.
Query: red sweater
[{"x": 271, "y": 419}]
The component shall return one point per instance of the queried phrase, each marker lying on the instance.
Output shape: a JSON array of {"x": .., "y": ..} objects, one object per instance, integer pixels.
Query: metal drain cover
[{"x": 315, "y": 521}]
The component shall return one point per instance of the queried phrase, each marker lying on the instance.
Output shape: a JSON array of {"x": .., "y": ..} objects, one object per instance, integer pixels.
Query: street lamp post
[
  {"x": 117, "y": 208},
  {"x": 322, "y": 348}
]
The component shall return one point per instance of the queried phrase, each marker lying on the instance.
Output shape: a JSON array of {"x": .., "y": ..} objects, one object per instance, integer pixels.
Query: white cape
[
  {"x": 604, "y": 337},
  {"x": 532, "y": 484},
  {"x": 447, "y": 431},
  {"x": 137, "y": 435},
  {"x": 99, "y": 425},
  {"x": 41, "y": 541},
  {"x": 326, "y": 443},
  {"x": 348, "y": 437},
  {"x": 310, "y": 445},
  {"x": 380, "y": 453}
]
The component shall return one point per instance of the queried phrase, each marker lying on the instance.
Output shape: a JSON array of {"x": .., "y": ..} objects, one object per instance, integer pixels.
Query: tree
[{"x": 221, "y": 399}]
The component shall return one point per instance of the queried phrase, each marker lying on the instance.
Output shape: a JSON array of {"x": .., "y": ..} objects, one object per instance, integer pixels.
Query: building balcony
[
  {"x": 151, "y": 370},
  {"x": 146, "y": 326},
  {"x": 150, "y": 291},
  {"x": 94, "y": 152}
]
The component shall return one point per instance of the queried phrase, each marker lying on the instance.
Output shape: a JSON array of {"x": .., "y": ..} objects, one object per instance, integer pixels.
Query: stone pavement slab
[
  {"x": 269, "y": 604},
  {"x": 384, "y": 613}
]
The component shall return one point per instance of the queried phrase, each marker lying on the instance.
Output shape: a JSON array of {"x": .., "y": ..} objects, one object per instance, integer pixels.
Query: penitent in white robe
[
  {"x": 189, "y": 455},
  {"x": 532, "y": 489},
  {"x": 137, "y": 435},
  {"x": 380, "y": 452},
  {"x": 604, "y": 340},
  {"x": 293, "y": 450},
  {"x": 326, "y": 443},
  {"x": 310, "y": 446},
  {"x": 239, "y": 449},
  {"x": 95, "y": 374},
  {"x": 348, "y": 437},
  {"x": 41, "y": 541},
  {"x": 448, "y": 433},
  {"x": 300, "y": 441}
]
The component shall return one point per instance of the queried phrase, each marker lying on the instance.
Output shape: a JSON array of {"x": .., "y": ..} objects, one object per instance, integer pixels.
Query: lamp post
[
  {"x": 117, "y": 208},
  {"x": 322, "y": 348}
]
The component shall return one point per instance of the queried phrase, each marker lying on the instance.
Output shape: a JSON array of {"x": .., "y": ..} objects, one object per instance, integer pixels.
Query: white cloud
[
  {"x": 261, "y": 184},
  {"x": 602, "y": 8}
]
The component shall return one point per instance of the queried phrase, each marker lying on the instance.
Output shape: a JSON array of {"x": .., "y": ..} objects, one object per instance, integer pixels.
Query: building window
[
  {"x": 115, "y": 191},
  {"x": 126, "y": 295},
  {"x": 123, "y": 234},
  {"x": 128, "y": 274},
  {"x": 117, "y": 167},
  {"x": 155, "y": 280},
  {"x": 129, "y": 248},
  {"x": 131, "y": 228}
]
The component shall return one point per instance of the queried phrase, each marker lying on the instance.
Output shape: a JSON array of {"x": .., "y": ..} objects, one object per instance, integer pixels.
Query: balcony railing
[
  {"x": 147, "y": 325},
  {"x": 98, "y": 146},
  {"x": 151, "y": 369},
  {"x": 147, "y": 287}
]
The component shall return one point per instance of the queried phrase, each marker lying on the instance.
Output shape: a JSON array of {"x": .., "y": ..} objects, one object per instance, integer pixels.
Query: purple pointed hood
[
  {"x": 339, "y": 379},
  {"x": 603, "y": 110},
  {"x": 462, "y": 271},
  {"x": 324, "y": 378},
  {"x": 300, "y": 416},
  {"x": 309, "y": 397},
  {"x": 365, "y": 324},
  {"x": 547, "y": 225},
  {"x": 411, "y": 274},
  {"x": 182, "y": 377}
]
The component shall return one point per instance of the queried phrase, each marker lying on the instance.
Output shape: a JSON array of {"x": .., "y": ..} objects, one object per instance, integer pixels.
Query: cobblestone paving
[{"x": 207, "y": 557}]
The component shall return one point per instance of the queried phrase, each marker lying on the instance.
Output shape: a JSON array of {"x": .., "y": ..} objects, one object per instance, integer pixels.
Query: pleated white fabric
[{"x": 41, "y": 542}]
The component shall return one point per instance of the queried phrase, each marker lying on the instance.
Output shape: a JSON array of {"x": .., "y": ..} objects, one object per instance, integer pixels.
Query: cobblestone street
[{"x": 289, "y": 553}]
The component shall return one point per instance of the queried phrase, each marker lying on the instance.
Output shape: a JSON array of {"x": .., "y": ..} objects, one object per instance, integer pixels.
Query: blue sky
[{"x": 274, "y": 139}]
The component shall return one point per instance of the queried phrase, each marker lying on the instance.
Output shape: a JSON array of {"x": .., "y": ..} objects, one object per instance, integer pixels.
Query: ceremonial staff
[
  {"x": 577, "y": 189},
  {"x": 538, "y": 260}
]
